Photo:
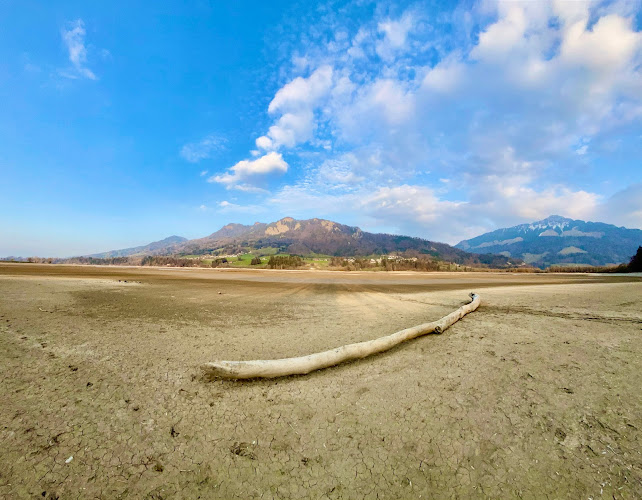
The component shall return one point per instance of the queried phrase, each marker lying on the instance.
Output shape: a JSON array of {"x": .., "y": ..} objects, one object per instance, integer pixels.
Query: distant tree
[
  {"x": 256, "y": 261},
  {"x": 285, "y": 262},
  {"x": 338, "y": 262},
  {"x": 635, "y": 266}
]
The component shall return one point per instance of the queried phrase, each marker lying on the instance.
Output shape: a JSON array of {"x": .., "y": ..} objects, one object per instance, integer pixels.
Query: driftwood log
[{"x": 272, "y": 368}]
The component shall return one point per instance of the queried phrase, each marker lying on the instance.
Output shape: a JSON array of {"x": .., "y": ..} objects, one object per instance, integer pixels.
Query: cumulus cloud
[
  {"x": 395, "y": 35},
  {"x": 194, "y": 152},
  {"x": 302, "y": 92},
  {"x": 74, "y": 38},
  {"x": 624, "y": 207},
  {"x": 510, "y": 204},
  {"x": 514, "y": 107},
  {"x": 607, "y": 46},
  {"x": 407, "y": 204},
  {"x": 247, "y": 173},
  {"x": 421, "y": 211},
  {"x": 503, "y": 37},
  {"x": 292, "y": 128},
  {"x": 264, "y": 142},
  {"x": 294, "y": 103}
]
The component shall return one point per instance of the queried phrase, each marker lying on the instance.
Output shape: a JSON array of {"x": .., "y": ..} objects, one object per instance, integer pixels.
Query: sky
[{"x": 122, "y": 124}]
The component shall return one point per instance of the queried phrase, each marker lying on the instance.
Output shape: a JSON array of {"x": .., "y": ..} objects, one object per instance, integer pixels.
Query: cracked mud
[{"x": 535, "y": 395}]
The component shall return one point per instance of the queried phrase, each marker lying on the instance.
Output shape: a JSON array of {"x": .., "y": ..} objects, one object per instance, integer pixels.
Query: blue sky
[{"x": 123, "y": 124}]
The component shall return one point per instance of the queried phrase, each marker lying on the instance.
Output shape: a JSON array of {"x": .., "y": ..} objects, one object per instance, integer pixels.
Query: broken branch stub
[{"x": 271, "y": 368}]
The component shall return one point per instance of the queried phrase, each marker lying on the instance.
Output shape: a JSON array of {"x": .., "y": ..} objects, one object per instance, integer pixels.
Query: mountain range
[
  {"x": 313, "y": 236},
  {"x": 165, "y": 246},
  {"x": 555, "y": 240},
  {"x": 558, "y": 240}
]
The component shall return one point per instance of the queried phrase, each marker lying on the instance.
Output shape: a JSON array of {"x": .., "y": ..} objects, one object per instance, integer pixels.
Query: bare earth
[{"x": 538, "y": 394}]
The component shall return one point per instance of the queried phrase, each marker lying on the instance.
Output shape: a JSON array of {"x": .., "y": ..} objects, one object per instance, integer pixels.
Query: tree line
[
  {"x": 386, "y": 264},
  {"x": 285, "y": 262},
  {"x": 634, "y": 266},
  {"x": 352, "y": 264}
]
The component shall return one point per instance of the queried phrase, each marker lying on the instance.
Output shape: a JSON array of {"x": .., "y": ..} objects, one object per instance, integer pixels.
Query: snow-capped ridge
[{"x": 547, "y": 242}]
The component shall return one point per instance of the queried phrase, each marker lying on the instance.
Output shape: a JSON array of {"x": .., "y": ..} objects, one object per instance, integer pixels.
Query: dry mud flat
[{"x": 538, "y": 394}]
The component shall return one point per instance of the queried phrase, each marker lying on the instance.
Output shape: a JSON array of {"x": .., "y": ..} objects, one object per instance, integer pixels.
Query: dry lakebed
[{"x": 537, "y": 394}]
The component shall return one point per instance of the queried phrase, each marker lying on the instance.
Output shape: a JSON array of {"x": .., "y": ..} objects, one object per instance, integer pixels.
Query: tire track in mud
[{"x": 556, "y": 314}]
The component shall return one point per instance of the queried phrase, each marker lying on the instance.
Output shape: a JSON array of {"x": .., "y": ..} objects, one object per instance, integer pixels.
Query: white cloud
[
  {"x": 507, "y": 117},
  {"x": 624, "y": 207},
  {"x": 246, "y": 173},
  {"x": 607, "y": 46},
  {"x": 374, "y": 109},
  {"x": 292, "y": 128},
  {"x": 506, "y": 204},
  {"x": 502, "y": 37},
  {"x": 338, "y": 174},
  {"x": 421, "y": 211},
  {"x": 203, "y": 149},
  {"x": 295, "y": 102},
  {"x": 571, "y": 12},
  {"x": 303, "y": 201},
  {"x": 356, "y": 50},
  {"x": 405, "y": 203},
  {"x": 395, "y": 35},
  {"x": 264, "y": 142},
  {"x": 302, "y": 92},
  {"x": 229, "y": 207},
  {"x": 74, "y": 38},
  {"x": 582, "y": 150},
  {"x": 445, "y": 77}
]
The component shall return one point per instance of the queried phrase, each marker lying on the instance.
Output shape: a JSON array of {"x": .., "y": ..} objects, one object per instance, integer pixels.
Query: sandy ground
[{"x": 538, "y": 394}]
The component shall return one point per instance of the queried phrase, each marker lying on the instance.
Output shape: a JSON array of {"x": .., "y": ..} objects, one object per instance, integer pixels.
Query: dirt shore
[{"x": 538, "y": 394}]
